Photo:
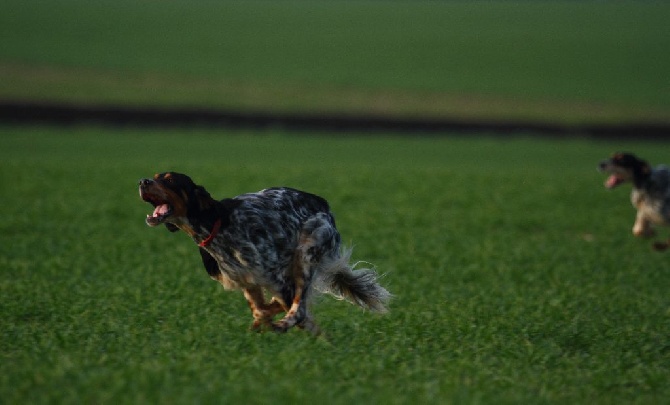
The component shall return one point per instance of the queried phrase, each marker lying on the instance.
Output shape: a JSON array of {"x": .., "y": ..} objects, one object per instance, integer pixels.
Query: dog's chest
[{"x": 652, "y": 208}]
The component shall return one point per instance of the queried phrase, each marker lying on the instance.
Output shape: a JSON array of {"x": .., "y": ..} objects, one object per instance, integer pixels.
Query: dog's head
[
  {"x": 624, "y": 167},
  {"x": 177, "y": 200}
]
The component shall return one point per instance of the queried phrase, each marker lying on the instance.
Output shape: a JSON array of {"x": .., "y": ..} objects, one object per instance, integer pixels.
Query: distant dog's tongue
[
  {"x": 612, "y": 181},
  {"x": 161, "y": 210}
]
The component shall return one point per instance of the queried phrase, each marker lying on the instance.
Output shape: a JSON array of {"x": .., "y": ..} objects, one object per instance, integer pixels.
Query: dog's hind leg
[
  {"x": 297, "y": 295},
  {"x": 298, "y": 314},
  {"x": 318, "y": 238}
]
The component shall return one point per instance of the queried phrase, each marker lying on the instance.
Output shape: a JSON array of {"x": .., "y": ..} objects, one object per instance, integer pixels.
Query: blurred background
[{"x": 565, "y": 63}]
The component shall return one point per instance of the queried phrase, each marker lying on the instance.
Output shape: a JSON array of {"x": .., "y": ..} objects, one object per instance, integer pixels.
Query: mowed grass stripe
[
  {"x": 26, "y": 84},
  {"x": 482, "y": 54}
]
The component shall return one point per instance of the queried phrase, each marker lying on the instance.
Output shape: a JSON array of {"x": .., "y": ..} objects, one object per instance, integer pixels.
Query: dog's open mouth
[
  {"x": 160, "y": 214},
  {"x": 613, "y": 181},
  {"x": 162, "y": 210}
]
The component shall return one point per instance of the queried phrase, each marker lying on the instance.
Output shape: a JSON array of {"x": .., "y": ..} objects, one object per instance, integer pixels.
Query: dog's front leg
[
  {"x": 262, "y": 312},
  {"x": 642, "y": 226}
]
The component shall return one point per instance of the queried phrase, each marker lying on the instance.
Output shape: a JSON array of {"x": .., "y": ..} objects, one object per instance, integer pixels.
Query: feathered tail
[{"x": 359, "y": 286}]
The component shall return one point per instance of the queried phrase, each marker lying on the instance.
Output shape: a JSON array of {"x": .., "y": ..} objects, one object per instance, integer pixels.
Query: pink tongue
[
  {"x": 161, "y": 210},
  {"x": 612, "y": 181}
]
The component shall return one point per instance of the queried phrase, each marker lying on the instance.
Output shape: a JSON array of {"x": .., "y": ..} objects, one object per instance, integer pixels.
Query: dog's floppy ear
[
  {"x": 642, "y": 167},
  {"x": 202, "y": 196},
  {"x": 200, "y": 192},
  {"x": 210, "y": 263},
  {"x": 171, "y": 227}
]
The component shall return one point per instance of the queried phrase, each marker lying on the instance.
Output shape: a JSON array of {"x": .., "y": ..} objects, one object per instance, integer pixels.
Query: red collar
[{"x": 212, "y": 234}]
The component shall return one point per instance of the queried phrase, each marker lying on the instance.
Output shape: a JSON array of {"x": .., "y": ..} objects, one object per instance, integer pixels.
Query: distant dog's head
[
  {"x": 177, "y": 200},
  {"x": 624, "y": 167}
]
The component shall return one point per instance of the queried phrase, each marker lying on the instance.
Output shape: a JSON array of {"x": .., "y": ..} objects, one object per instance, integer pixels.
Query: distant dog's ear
[
  {"x": 171, "y": 227},
  {"x": 642, "y": 169}
]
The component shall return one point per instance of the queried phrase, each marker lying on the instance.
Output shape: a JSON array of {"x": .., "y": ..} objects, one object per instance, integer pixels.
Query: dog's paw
[
  {"x": 280, "y": 327},
  {"x": 643, "y": 232},
  {"x": 661, "y": 246},
  {"x": 261, "y": 326},
  {"x": 310, "y": 326}
]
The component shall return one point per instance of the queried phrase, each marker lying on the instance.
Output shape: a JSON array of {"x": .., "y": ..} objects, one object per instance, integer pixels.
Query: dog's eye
[{"x": 165, "y": 177}]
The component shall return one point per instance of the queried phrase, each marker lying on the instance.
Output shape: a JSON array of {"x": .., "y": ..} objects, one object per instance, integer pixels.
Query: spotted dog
[
  {"x": 650, "y": 195},
  {"x": 279, "y": 242}
]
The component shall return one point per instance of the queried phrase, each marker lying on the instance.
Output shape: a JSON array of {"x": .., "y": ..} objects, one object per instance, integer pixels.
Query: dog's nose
[{"x": 145, "y": 182}]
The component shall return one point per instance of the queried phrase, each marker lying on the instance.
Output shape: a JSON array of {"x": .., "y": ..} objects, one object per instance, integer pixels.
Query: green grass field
[
  {"x": 565, "y": 61},
  {"x": 516, "y": 275},
  {"x": 517, "y": 278}
]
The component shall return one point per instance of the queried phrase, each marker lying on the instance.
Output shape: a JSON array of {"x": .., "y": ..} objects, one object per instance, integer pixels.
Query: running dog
[
  {"x": 650, "y": 195},
  {"x": 279, "y": 242}
]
